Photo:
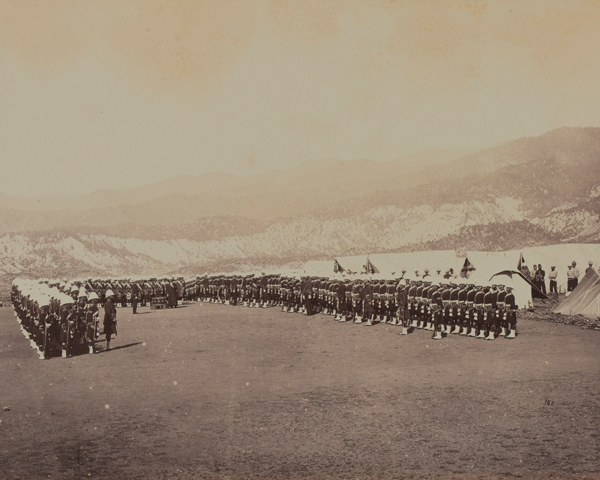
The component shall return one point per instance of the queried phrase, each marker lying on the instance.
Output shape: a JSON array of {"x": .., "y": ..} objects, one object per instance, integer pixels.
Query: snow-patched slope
[
  {"x": 380, "y": 229},
  {"x": 572, "y": 224}
]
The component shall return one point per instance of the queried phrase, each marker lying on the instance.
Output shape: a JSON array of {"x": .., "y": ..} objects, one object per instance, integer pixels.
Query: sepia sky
[{"x": 123, "y": 93}]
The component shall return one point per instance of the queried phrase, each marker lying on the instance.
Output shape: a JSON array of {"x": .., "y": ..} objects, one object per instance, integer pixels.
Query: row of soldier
[
  {"x": 60, "y": 318},
  {"x": 137, "y": 292},
  {"x": 56, "y": 321},
  {"x": 441, "y": 305}
]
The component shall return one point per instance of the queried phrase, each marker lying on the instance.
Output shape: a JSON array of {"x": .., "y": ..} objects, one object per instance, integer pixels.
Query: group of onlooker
[{"x": 538, "y": 277}]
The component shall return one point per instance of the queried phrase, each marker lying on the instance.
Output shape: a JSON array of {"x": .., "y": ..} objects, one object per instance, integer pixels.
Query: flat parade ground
[{"x": 214, "y": 391}]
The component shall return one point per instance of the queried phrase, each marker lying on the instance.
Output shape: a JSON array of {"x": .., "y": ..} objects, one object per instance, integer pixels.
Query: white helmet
[{"x": 66, "y": 300}]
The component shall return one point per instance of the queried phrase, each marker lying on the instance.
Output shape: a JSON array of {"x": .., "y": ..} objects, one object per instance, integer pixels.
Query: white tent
[
  {"x": 509, "y": 260},
  {"x": 393, "y": 263},
  {"x": 319, "y": 268},
  {"x": 585, "y": 299},
  {"x": 352, "y": 264},
  {"x": 501, "y": 267}
]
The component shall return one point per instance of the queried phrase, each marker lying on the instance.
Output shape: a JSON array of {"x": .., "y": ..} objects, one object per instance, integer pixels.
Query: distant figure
[
  {"x": 263, "y": 290},
  {"x": 525, "y": 271},
  {"x": 575, "y": 275},
  {"x": 535, "y": 281},
  {"x": 552, "y": 277},
  {"x": 591, "y": 267},
  {"x": 91, "y": 333},
  {"x": 542, "y": 279},
  {"x": 570, "y": 278},
  {"x": 171, "y": 296},
  {"x": 110, "y": 317},
  {"x": 135, "y": 293}
]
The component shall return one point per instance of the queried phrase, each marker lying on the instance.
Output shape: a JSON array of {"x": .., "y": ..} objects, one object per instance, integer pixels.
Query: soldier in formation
[
  {"x": 57, "y": 318},
  {"x": 443, "y": 304},
  {"x": 60, "y": 317}
]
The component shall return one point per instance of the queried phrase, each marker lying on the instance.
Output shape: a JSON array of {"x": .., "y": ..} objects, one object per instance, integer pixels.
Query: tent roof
[
  {"x": 319, "y": 267},
  {"x": 585, "y": 299},
  {"x": 487, "y": 264},
  {"x": 393, "y": 263},
  {"x": 355, "y": 263}
]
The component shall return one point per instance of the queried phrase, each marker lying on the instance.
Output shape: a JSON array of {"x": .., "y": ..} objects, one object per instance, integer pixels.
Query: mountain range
[{"x": 530, "y": 191}]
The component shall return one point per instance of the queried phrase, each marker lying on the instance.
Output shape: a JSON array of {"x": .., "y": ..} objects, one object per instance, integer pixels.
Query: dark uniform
[
  {"x": 490, "y": 305},
  {"x": 110, "y": 320},
  {"x": 461, "y": 319},
  {"x": 357, "y": 302},
  {"x": 511, "y": 313},
  {"x": 479, "y": 312},
  {"x": 470, "y": 317},
  {"x": 367, "y": 299},
  {"x": 501, "y": 311},
  {"x": 390, "y": 302},
  {"x": 437, "y": 306},
  {"x": 453, "y": 320},
  {"x": 402, "y": 306},
  {"x": 135, "y": 295},
  {"x": 412, "y": 304}
]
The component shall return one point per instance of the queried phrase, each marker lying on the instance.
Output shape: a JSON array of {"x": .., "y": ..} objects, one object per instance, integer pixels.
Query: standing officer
[
  {"x": 92, "y": 322},
  {"x": 402, "y": 305},
  {"x": 511, "y": 312},
  {"x": 412, "y": 303},
  {"x": 66, "y": 324},
  {"x": 552, "y": 277},
  {"x": 437, "y": 306},
  {"x": 110, "y": 317},
  {"x": 340, "y": 302},
  {"x": 357, "y": 301},
  {"x": 479, "y": 311},
  {"x": 490, "y": 305},
  {"x": 575, "y": 275},
  {"x": 367, "y": 300},
  {"x": 135, "y": 295}
]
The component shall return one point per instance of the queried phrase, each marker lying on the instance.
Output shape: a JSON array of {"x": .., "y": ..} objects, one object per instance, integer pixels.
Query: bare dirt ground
[
  {"x": 543, "y": 312},
  {"x": 213, "y": 391}
]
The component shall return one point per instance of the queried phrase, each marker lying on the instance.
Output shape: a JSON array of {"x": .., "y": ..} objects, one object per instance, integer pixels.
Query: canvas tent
[
  {"x": 391, "y": 264},
  {"x": 585, "y": 299},
  {"x": 561, "y": 256},
  {"x": 510, "y": 260},
  {"x": 500, "y": 267},
  {"x": 352, "y": 264},
  {"x": 319, "y": 268}
]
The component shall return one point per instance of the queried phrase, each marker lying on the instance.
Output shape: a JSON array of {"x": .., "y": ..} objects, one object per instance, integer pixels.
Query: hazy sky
[{"x": 122, "y": 93}]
